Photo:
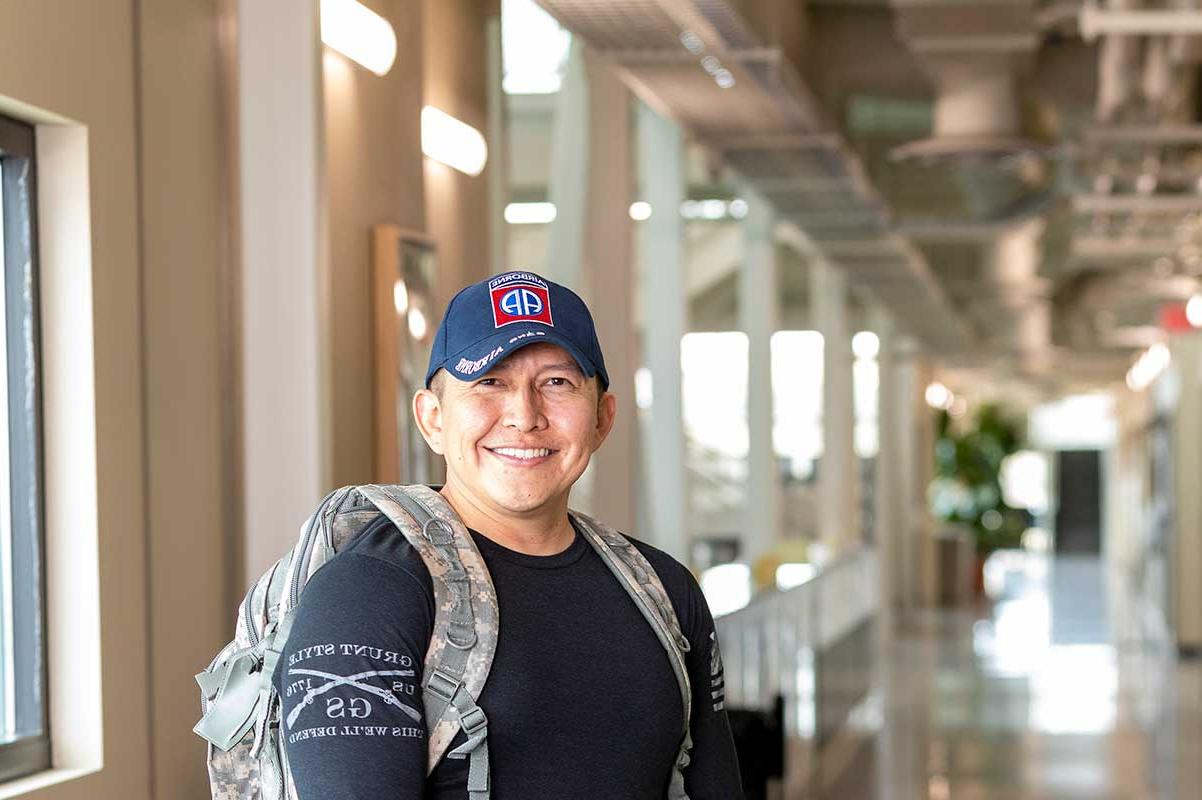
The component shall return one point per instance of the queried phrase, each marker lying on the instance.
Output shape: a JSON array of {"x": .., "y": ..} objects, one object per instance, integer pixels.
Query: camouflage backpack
[{"x": 241, "y": 709}]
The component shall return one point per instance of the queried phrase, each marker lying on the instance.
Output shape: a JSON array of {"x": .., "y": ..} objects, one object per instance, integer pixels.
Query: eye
[
  {"x": 487, "y": 382},
  {"x": 559, "y": 381}
]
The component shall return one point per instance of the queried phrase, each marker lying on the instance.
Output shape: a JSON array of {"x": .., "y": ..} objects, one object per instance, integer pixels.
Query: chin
[{"x": 518, "y": 502}]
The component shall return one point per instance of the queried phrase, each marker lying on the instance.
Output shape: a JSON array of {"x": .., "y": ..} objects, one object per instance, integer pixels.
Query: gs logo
[{"x": 357, "y": 708}]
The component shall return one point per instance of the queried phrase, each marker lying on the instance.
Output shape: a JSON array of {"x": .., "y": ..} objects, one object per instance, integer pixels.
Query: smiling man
[{"x": 582, "y": 699}]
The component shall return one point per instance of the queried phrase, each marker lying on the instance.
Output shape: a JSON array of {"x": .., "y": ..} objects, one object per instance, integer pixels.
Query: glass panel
[
  {"x": 714, "y": 405},
  {"x": 797, "y": 376},
  {"x": 534, "y": 48},
  {"x": 8, "y": 706},
  {"x": 22, "y": 677}
]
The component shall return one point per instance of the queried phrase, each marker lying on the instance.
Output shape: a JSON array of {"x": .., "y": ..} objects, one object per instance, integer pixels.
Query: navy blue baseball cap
[{"x": 489, "y": 320}]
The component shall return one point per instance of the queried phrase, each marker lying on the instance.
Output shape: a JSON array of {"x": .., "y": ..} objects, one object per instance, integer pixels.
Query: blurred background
[{"x": 900, "y": 300}]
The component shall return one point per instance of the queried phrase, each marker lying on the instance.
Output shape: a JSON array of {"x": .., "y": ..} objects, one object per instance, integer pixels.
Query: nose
[{"x": 523, "y": 409}]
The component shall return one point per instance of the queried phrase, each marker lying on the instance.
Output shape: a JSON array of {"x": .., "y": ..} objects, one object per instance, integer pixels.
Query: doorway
[{"x": 1079, "y": 510}]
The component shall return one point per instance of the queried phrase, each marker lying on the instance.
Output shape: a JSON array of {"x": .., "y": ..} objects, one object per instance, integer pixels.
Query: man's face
[{"x": 518, "y": 437}]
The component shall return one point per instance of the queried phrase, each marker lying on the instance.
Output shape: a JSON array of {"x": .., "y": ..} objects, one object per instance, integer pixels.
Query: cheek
[
  {"x": 579, "y": 426},
  {"x": 467, "y": 431}
]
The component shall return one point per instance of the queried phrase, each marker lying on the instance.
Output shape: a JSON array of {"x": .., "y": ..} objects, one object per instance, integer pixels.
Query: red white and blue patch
[{"x": 516, "y": 298}]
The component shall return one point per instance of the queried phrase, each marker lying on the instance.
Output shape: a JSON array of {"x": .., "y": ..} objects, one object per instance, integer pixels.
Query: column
[
  {"x": 609, "y": 284},
  {"x": 758, "y": 315},
  {"x": 498, "y": 150},
  {"x": 1185, "y": 547},
  {"x": 889, "y": 501},
  {"x": 838, "y": 475},
  {"x": 661, "y": 169},
  {"x": 568, "y": 188},
  {"x": 918, "y": 583},
  {"x": 284, "y": 370}
]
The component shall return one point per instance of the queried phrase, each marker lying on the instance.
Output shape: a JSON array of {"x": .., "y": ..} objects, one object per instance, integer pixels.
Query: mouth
[{"x": 522, "y": 456}]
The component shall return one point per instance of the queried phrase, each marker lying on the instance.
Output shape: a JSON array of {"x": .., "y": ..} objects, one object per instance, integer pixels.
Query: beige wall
[
  {"x": 454, "y": 79},
  {"x": 159, "y": 273},
  {"x": 374, "y": 175},
  {"x": 186, "y": 270},
  {"x": 153, "y": 371}
]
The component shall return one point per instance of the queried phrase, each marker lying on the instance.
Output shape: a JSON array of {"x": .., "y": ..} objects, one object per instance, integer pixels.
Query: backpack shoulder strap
[
  {"x": 464, "y": 641},
  {"x": 641, "y": 582}
]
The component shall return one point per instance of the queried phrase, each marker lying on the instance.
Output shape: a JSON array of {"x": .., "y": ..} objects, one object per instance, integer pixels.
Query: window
[
  {"x": 534, "y": 47},
  {"x": 24, "y": 738}
]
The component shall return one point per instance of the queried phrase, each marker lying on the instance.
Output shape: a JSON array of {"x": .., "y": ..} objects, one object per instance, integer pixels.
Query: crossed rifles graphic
[{"x": 355, "y": 682}]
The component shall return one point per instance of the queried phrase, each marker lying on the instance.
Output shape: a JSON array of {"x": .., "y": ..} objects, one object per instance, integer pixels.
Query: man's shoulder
[
  {"x": 678, "y": 581},
  {"x": 377, "y": 546},
  {"x": 664, "y": 563}
]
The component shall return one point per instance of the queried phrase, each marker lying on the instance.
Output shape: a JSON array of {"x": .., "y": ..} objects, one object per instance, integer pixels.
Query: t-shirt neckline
[{"x": 566, "y": 557}]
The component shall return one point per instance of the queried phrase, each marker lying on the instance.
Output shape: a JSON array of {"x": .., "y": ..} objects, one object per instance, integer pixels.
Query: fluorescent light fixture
[
  {"x": 530, "y": 213},
  {"x": 1147, "y": 367},
  {"x": 866, "y": 344},
  {"x": 1193, "y": 311},
  {"x": 643, "y": 388},
  {"x": 939, "y": 396},
  {"x": 417, "y": 323},
  {"x": 452, "y": 142},
  {"x": 640, "y": 210},
  {"x": 400, "y": 296},
  {"x": 714, "y": 209},
  {"x": 692, "y": 42},
  {"x": 358, "y": 33}
]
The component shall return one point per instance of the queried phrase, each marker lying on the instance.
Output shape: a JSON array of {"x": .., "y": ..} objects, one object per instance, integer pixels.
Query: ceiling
[{"x": 1023, "y": 199}]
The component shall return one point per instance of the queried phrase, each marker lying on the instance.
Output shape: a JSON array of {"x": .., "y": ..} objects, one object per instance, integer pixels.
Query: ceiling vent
[{"x": 975, "y": 53}]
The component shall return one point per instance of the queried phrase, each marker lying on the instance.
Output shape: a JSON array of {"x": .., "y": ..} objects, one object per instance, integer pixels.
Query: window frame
[{"x": 27, "y": 754}]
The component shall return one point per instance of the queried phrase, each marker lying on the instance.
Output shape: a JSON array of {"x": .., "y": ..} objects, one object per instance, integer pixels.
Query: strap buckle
[
  {"x": 473, "y": 722},
  {"x": 443, "y": 685}
]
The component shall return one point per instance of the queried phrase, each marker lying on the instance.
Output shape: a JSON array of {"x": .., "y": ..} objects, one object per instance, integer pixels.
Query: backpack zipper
[
  {"x": 307, "y": 550},
  {"x": 251, "y": 634}
]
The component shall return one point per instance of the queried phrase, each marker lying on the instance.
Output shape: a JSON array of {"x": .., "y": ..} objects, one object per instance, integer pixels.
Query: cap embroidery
[{"x": 470, "y": 367}]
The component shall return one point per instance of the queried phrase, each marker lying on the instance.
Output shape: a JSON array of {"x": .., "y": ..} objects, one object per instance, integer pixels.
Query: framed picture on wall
[{"x": 405, "y": 266}]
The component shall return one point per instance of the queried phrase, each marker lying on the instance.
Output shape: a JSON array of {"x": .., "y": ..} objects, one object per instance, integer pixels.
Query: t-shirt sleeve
[
  {"x": 349, "y": 680},
  {"x": 713, "y": 773}
]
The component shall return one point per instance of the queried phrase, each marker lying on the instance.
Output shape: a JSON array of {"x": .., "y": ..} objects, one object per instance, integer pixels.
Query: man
[{"x": 582, "y": 700}]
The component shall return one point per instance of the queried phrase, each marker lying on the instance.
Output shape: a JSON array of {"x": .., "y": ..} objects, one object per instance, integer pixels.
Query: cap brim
[{"x": 473, "y": 362}]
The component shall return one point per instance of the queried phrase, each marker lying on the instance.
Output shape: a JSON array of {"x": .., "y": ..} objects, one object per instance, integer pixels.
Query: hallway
[{"x": 1064, "y": 689}]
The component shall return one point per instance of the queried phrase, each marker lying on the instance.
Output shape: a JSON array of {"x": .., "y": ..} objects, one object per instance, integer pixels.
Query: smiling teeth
[{"x": 516, "y": 453}]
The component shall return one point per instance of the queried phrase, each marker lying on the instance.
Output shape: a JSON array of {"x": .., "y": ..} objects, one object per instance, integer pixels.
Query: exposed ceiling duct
[
  {"x": 728, "y": 71},
  {"x": 975, "y": 54},
  {"x": 1017, "y": 196}
]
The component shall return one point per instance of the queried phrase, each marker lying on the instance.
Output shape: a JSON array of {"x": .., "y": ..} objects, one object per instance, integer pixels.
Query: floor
[{"x": 1063, "y": 687}]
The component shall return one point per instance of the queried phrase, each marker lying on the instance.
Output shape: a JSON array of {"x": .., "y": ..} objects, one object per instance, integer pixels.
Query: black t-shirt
[{"x": 581, "y": 700}]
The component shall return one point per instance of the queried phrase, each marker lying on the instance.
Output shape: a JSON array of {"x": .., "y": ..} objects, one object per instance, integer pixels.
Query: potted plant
[{"x": 967, "y": 488}]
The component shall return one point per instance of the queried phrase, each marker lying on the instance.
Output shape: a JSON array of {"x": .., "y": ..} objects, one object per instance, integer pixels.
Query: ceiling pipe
[
  {"x": 1017, "y": 287},
  {"x": 974, "y": 59},
  {"x": 1118, "y": 64},
  {"x": 1096, "y": 22}
]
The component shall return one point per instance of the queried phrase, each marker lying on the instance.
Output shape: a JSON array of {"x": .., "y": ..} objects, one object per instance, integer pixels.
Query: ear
[
  {"x": 607, "y": 411},
  {"x": 427, "y": 412}
]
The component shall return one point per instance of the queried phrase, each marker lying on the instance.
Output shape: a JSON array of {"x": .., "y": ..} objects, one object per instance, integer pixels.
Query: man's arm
[
  {"x": 713, "y": 773},
  {"x": 350, "y": 682}
]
